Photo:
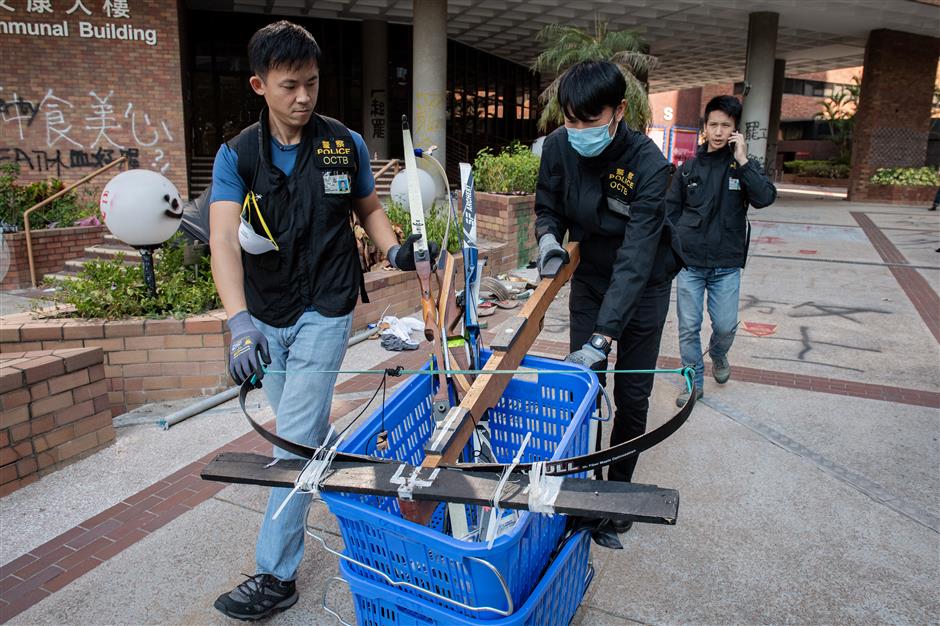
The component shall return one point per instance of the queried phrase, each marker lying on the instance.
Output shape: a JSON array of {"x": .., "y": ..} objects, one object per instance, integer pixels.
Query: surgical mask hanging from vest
[
  {"x": 252, "y": 242},
  {"x": 589, "y": 142}
]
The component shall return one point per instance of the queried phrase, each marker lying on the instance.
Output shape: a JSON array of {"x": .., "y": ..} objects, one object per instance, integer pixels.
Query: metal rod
[
  {"x": 150, "y": 278},
  {"x": 53, "y": 197},
  {"x": 194, "y": 409},
  {"x": 232, "y": 392}
]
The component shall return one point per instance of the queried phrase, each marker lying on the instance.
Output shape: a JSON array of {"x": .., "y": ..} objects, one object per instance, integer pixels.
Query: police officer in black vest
[
  {"x": 603, "y": 184},
  {"x": 286, "y": 267}
]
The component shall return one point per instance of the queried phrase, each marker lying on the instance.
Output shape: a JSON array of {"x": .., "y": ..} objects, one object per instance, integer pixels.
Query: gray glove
[
  {"x": 551, "y": 256},
  {"x": 247, "y": 344},
  {"x": 588, "y": 356}
]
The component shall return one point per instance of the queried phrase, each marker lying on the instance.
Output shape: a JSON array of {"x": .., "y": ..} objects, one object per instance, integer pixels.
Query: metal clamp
[
  {"x": 326, "y": 590},
  {"x": 400, "y": 583}
]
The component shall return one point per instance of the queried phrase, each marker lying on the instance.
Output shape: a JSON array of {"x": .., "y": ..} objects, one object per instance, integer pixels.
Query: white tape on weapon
[
  {"x": 491, "y": 529},
  {"x": 313, "y": 472},
  {"x": 543, "y": 489}
]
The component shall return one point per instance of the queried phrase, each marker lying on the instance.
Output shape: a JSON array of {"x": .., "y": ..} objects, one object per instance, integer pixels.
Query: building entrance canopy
[{"x": 698, "y": 42}]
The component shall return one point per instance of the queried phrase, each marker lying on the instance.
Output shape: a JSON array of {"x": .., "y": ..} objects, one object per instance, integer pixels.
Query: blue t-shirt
[{"x": 228, "y": 185}]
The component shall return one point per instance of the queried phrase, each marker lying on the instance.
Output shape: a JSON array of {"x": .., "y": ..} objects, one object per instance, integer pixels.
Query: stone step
[
  {"x": 111, "y": 251},
  {"x": 60, "y": 276}
]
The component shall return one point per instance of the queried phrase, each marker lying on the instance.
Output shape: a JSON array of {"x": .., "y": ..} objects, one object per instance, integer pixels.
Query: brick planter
[
  {"x": 55, "y": 411},
  {"x": 510, "y": 219},
  {"x": 814, "y": 181},
  {"x": 897, "y": 194},
  {"x": 154, "y": 360},
  {"x": 145, "y": 360},
  {"x": 399, "y": 290},
  {"x": 52, "y": 247}
]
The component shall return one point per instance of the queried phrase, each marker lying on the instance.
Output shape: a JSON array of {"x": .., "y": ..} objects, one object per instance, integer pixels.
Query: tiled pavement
[{"x": 51, "y": 566}]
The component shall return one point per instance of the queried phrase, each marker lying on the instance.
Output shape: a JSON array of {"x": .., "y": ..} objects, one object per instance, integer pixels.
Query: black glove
[
  {"x": 551, "y": 256},
  {"x": 402, "y": 257},
  {"x": 247, "y": 344}
]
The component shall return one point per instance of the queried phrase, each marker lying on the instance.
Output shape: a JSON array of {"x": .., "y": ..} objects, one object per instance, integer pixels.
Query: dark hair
[
  {"x": 281, "y": 44},
  {"x": 729, "y": 105},
  {"x": 589, "y": 86}
]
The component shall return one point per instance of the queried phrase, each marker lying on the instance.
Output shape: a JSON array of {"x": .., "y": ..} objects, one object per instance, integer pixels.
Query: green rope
[{"x": 681, "y": 371}]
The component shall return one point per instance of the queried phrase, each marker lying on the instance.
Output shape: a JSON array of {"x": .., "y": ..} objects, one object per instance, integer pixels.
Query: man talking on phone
[{"x": 708, "y": 202}]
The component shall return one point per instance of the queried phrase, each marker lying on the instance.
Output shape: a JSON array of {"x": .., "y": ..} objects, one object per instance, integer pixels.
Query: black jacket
[
  {"x": 318, "y": 262},
  {"x": 708, "y": 203},
  {"x": 613, "y": 205}
]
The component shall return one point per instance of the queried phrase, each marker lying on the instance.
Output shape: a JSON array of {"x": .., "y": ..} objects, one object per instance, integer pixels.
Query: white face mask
[{"x": 251, "y": 242}]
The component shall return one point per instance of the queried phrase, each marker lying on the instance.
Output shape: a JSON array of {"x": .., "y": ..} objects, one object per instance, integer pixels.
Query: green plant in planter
[
  {"x": 906, "y": 176},
  {"x": 435, "y": 222},
  {"x": 514, "y": 170},
  {"x": 16, "y": 199},
  {"x": 817, "y": 169},
  {"x": 113, "y": 289}
]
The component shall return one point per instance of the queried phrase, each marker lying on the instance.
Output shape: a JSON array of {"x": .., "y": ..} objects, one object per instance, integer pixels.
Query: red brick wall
[
  {"x": 138, "y": 89},
  {"x": 51, "y": 249},
  {"x": 896, "y": 194},
  {"x": 399, "y": 290},
  {"x": 685, "y": 105},
  {"x": 509, "y": 219},
  {"x": 710, "y": 91},
  {"x": 893, "y": 119},
  {"x": 144, "y": 360},
  {"x": 55, "y": 409}
]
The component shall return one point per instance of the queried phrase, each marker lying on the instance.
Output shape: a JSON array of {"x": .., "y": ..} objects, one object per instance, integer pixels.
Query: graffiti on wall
[{"x": 56, "y": 132}]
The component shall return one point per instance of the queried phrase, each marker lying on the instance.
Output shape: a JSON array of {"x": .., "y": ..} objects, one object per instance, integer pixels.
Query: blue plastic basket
[
  {"x": 554, "y": 601},
  {"x": 555, "y": 408}
]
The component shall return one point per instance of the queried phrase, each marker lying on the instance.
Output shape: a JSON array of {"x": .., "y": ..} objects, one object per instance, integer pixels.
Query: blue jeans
[
  {"x": 722, "y": 285},
  {"x": 301, "y": 402}
]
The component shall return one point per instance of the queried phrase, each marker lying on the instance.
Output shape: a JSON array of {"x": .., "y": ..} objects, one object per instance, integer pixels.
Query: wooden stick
[{"x": 450, "y": 437}]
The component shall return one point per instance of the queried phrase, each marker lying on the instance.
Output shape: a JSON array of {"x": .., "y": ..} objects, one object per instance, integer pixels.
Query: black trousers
[{"x": 637, "y": 349}]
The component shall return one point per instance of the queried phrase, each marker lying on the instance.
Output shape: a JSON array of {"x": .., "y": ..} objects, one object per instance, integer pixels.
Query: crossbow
[{"x": 458, "y": 405}]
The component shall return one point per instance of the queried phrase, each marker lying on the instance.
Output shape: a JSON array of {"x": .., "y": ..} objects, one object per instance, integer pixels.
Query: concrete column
[
  {"x": 892, "y": 124},
  {"x": 429, "y": 78},
  {"x": 375, "y": 126},
  {"x": 776, "y": 104},
  {"x": 759, "y": 81}
]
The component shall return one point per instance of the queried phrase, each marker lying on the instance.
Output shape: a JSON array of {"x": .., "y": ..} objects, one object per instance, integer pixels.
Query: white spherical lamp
[
  {"x": 399, "y": 188},
  {"x": 141, "y": 208}
]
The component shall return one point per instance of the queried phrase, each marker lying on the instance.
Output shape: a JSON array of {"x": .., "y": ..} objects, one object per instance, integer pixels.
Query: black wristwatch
[{"x": 600, "y": 342}]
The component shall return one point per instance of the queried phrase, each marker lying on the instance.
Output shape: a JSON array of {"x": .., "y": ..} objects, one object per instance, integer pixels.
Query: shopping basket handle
[{"x": 400, "y": 583}]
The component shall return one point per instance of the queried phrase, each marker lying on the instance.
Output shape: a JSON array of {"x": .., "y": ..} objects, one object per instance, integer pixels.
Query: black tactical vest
[{"x": 308, "y": 214}]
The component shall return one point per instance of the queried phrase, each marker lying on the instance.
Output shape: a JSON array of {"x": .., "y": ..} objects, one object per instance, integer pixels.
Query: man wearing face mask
[{"x": 603, "y": 184}]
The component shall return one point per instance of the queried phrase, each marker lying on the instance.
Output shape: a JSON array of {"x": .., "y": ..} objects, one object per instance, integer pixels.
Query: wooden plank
[
  {"x": 578, "y": 497},
  {"x": 446, "y": 444},
  {"x": 452, "y": 434}
]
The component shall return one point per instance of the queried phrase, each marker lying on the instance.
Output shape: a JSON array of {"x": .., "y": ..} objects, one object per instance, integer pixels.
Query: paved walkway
[{"x": 810, "y": 483}]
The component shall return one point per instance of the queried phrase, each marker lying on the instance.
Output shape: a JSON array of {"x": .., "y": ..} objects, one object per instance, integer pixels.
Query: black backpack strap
[{"x": 247, "y": 147}]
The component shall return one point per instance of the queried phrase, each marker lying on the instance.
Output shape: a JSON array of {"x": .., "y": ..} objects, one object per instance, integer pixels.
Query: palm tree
[
  {"x": 567, "y": 45},
  {"x": 838, "y": 110}
]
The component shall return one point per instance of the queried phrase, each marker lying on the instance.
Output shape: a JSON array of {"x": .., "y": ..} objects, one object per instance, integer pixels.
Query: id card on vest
[{"x": 335, "y": 159}]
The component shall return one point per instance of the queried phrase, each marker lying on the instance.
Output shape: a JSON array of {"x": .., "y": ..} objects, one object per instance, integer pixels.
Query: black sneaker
[{"x": 258, "y": 597}]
